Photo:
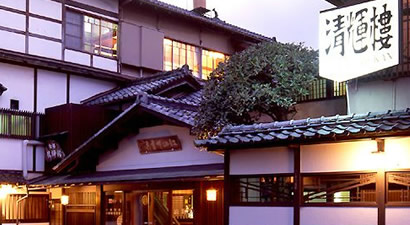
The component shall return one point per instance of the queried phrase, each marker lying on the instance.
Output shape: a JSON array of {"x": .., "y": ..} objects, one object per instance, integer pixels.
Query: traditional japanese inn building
[
  {"x": 97, "y": 102},
  {"x": 340, "y": 169}
]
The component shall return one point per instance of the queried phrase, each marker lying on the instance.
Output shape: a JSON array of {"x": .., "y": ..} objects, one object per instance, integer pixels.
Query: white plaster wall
[
  {"x": 109, "y": 5},
  {"x": 77, "y": 57},
  {"x": 261, "y": 161},
  {"x": 104, "y": 63},
  {"x": 261, "y": 216},
  {"x": 378, "y": 95},
  {"x": 12, "y": 41},
  {"x": 14, "y": 4},
  {"x": 338, "y": 216},
  {"x": 45, "y": 48},
  {"x": 397, "y": 216},
  {"x": 82, "y": 88},
  {"x": 348, "y": 156},
  {"x": 11, "y": 154},
  {"x": 47, "y": 8},
  {"x": 402, "y": 93},
  {"x": 20, "y": 86},
  {"x": 12, "y": 20},
  {"x": 355, "y": 156},
  {"x": 127, "y": 156},
  {"x": 51, "y": 89},
  {"x": 45, "y": 28}
]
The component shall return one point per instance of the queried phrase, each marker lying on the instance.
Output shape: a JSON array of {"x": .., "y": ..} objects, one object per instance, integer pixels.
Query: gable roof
[
  {"x": 142, "y": 94},
  {"x": 150, "y": 86},
  {"x": 370, "y": 125},
  {"x": 213, "y": 22}
]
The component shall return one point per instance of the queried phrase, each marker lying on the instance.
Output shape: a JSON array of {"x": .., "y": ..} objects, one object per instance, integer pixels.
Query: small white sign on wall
[{"x": 359, "y": 39}]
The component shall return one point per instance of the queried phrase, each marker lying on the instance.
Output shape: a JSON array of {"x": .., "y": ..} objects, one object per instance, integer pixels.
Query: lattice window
[
  {"x": 343, "y": 188},
  {"x": 263, "y": 189},
  {"x": 398, "y": 187}
]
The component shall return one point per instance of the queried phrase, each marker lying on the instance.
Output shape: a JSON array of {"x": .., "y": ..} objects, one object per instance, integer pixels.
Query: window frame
[
  {"x": 333, "y": 204},
  {"x": 100, "y": 18},
  {"x": 280, "y": 204},
  {"x": 329, "y": 91},
  {"x": 200, "y": 49},
  {"x": 391, "y": 203}
]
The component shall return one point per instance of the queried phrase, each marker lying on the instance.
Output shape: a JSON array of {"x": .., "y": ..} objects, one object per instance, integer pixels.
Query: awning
[{"x": 130, "y": 176}]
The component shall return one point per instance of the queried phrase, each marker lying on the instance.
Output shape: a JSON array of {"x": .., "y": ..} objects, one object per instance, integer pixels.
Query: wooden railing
[{"x": 17, "y": 124}]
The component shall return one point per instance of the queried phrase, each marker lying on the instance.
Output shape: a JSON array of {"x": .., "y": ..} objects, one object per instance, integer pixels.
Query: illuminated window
[
  {"x": 177, "y": 54},
  {"x": 89, "y": 34},
  {"x": 210, "y": 61},
  {"x": 398, "y": 187},
  {"x": 262, "y": 189},
  {"x": 344, "y": 188}
]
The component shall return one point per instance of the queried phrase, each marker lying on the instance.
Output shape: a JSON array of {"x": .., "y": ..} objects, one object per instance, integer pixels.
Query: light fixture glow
[
  {"x": 211, "y": 195},
  {"x": 65, "y": 199},
  {"x": 6, "y": 190}
]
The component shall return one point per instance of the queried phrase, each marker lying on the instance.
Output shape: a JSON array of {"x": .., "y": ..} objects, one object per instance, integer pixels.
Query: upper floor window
[
  {"x": 177, "y": 54},
  {"x": 210, "y": 61},
  {"x": 324, "y": 89},
  {"x": 89, "y": 34}
]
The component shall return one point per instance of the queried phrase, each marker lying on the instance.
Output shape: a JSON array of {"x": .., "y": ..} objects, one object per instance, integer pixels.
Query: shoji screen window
[{"x": 177, "y": 54}]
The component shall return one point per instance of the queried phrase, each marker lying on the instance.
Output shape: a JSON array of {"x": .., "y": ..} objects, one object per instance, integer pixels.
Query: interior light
[
  {"x": 65, "y": 199},
  {"x": 6, "y": 190},
  {"x": 211, "y": 195}
]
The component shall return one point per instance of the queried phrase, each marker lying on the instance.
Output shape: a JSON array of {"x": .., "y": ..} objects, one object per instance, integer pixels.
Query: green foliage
[{"x": 266, "y": 78}]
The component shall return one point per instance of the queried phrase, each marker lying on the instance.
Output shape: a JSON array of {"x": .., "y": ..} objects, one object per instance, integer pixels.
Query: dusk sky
[{"x": 287, "y": 20}]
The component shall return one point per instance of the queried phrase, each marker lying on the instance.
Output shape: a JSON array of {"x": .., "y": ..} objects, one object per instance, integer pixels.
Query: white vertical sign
[{"x": 359, "y": 39}]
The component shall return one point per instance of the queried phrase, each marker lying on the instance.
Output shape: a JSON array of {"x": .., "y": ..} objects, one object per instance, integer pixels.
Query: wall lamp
[
  {"x": 211, "y": 195},
  {"x": 380, "y": 145},
  {"x": 65, "y": 200}
]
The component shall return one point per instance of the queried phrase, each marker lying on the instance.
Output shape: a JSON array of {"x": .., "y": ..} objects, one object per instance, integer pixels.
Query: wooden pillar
[
  {"x": 297, "y": 184},
  {"x": 99, "y": 201},
  {"x": 169, "y": 205},
  {"x": 381, "y": 196},
  {"x": 151, "y": 202},
  {"x": 226, "y": 186}
]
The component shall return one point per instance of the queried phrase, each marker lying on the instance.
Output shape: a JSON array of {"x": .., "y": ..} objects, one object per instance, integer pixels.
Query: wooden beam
[
  {"x": 297, "y": 184},
  {"x": 99, "y": 209},
  {"x": 381, "y": 196},
  {"x": 226, "y": 186}
]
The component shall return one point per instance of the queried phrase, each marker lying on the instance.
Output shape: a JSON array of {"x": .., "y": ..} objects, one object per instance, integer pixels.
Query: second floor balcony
[{"x": 18, "y": 124}]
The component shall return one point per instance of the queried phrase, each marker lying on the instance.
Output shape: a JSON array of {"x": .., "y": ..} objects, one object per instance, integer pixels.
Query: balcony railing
[{"x": 18, "y": 124}]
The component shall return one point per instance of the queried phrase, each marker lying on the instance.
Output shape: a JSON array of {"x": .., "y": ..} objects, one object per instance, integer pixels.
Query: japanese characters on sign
[
  {"x": 157, "y": 145},
  {"x": 358, "y": 40}
]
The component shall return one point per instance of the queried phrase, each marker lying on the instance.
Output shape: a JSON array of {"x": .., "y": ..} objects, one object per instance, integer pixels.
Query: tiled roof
[
  {"x": 176, "y": 109},
  {"x": 325, "y": 128},
  {"x": 11, "y": 177},
  {"x": 216, "y": 22},
  {"x": 148, "y": 85}
]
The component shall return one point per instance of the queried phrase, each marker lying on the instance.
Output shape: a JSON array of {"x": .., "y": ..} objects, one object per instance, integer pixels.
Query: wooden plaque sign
[{"x": 157, "y": 145}]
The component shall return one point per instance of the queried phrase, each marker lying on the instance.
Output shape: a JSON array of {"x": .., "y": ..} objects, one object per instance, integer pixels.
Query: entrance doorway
[{"x": 170, "y": 207}]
